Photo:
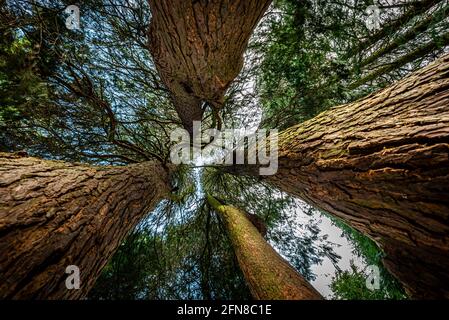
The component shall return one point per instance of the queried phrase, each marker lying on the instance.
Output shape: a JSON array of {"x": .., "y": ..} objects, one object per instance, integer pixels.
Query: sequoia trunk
[
  {"x": 54, "y": 214},
  {"x": 382, "y": 165},
  {"x": 198, "y": 48},
  {"x": 268, "y": 275}
]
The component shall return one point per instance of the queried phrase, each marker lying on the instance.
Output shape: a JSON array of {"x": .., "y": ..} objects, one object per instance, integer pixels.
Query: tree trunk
[
  {"x": 268, "y": 275},
  {"x": 54, "y": 214},
  {"x": 198, "y": 48},
  {"x": 382, "y": 165}
]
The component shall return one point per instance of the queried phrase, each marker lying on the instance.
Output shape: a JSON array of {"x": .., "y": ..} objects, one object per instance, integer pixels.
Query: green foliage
[
  {"x": 301, "y": 70},
  {"x": 95, "y": 96},
  {"x": 178, "y": 255},
  {"x": 300, "y": 242},
  {"x": 311, "y": 61},
  {"x": 88, "y": 95},
  {"x": 126, "y": 275},
  {"x": 21, "y": 88},
  {"x": 352, "y": 284}
]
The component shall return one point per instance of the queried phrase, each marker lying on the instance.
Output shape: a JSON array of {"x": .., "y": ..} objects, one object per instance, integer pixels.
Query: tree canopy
[{"x": 104, "y": 94}]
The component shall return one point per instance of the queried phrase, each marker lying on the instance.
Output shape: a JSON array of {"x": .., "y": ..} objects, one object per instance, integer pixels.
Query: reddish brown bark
[
  {"x": 268, "y": 275},
  {"x": 382, "y": 165},
  {"x": 198, "y": 48},
  {"x": 54, "y": 214}
]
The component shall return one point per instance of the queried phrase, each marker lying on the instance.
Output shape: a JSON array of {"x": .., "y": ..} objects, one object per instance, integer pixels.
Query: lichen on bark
[{"x": 268, "y": 275}]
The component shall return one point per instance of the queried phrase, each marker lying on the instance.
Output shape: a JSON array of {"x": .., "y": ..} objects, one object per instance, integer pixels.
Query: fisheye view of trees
[{"x": 224, "y": 149}]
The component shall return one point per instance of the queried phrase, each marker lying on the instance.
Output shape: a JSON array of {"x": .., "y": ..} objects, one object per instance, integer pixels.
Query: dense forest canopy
[{"x": 107, "y": 94}]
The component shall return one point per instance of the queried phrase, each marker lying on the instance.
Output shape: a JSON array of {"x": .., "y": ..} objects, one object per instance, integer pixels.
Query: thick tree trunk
[
  {"x": 55, "y": 214},
  {"x": 268, "y": 275},
  {"x": 382, "y": 165},
  {"x": 198, "y": 48}
]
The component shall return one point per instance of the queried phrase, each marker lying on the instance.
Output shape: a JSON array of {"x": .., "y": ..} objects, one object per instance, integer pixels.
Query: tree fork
[
  {"x": 54, "y": 214},
  {"x": 268, "y": 275}
]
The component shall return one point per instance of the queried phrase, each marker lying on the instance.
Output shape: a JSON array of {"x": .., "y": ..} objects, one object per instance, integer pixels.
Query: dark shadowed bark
[
  {"x": 54, "y": 214},
  {"x": 268, "y": 275},
  {"x": 198, "y": 49},
  {"x": 382, "y": 165}
]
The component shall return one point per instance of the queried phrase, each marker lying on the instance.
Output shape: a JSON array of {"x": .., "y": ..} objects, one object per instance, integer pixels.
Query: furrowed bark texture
[
  {"x": 268, "y": 275},
  {"x": 54, "y": 214},
  {"x": 382, "y": 165},
  {"x": 426, "y": 23},
  {"x": 416, "y": 9},
  {"x": 422, "y": 51},
  {"x": 198, "y": 48}
]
